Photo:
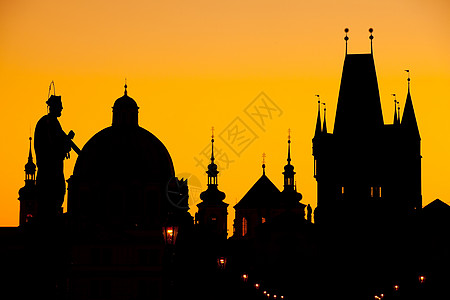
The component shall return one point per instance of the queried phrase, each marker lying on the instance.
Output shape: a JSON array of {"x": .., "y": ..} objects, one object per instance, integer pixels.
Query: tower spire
[
  {"x": 324, "y": 129},
  {"x": 371, "y": 39},
  {"x": 346, "y": 39},
  {"x": 212, "y": 167},
  {"x": 396, "y": 121},
  {"x": 289, "y": 169},
  {"x": 409, "y": 121},
  {"x": 30, "y": 167},
  {"x": 289, "y": 147},
  {"x": 319, "y": 122},
  {"x": 125, "y": 86}
]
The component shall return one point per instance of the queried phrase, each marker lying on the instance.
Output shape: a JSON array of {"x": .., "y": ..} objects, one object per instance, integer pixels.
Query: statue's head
[{"x": 55, "y": 105}]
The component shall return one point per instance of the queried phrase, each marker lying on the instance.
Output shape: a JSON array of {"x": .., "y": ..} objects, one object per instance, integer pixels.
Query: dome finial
[
  {"x": 125, "y": 86},
  {"x": 346, "y": 39},
  {"x": 371, "y": 39}
]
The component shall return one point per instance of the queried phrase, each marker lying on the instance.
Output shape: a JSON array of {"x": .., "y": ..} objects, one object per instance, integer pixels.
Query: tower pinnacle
[{"x": 371, "y": 39}]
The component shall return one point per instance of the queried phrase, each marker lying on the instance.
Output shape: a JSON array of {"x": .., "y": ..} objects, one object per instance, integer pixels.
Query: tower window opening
[
  {"x": 263, "y": 220},
  {"x": 244, "y": 226},
  {"x": 371, "y": 192},
  {"x": 342, "y": 190},
  {"x": 379, "y": 191}
]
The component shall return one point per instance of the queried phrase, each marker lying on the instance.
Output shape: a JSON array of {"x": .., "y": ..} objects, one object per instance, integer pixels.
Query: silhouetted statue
[{"x": 52, "y": 146}]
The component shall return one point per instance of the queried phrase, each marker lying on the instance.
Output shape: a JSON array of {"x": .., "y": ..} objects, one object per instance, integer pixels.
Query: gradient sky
[{"x": 195, "y": 64}]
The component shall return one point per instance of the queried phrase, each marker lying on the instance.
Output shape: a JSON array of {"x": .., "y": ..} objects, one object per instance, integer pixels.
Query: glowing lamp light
[
  {"x": 244, "y": 277},
  {"x": 265, "y": 292},
  {"x": 421, "y": 279},
  {"x": 170, "y": 233},
  {"x": 396, "y": 287},
  {"x": 257, "y": 285},
  {"x": 282, "y": 297},
  {"x": 222, "y": 262},
  {"x": 268, "y": 295},
  {"x": 274, "y": 296}
]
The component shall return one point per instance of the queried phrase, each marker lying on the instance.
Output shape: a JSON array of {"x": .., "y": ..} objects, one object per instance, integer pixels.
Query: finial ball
[
  {"x": 346, "y": 30},
  {"x": 370, "y": 30}
]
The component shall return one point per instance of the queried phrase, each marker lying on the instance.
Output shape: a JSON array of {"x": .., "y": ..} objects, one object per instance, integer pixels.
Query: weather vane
[{"x": 212, "y": 132}]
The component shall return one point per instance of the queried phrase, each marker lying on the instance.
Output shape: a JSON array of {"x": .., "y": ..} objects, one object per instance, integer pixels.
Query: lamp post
[{"x": 222, "y": 263}]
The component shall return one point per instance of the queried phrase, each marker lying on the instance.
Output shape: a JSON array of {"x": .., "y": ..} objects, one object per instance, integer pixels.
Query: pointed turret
[
  {"x": 212, "y": 211},
  {"x": 27, "y": 194},
  {"x": 319, "y": 121},
  {"x": 30, "y": 167},
  {"x": 324, "y": 128},
  {"x": 409, "y": 122},
  {"x": 289, "y": 169},
  {"x": 396, "y": 117}
]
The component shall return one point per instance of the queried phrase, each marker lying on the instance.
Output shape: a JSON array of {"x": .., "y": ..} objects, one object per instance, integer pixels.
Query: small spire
[
  {"x": 30, "y": 155},
  {"x": 371, "y": 39},
  {"x": 264, "y": 163},
  {"x": 395, "y": 110},
  {"x": 289, "y": 147},
  {"x": 398, "y": 115},
  {"x": 319, "y": 122},
  {"x": 125, "y": 86},
  {"x": 346, "y": 39},
  {"x": 212, "y": 145},
  {"x": 324, "y": 129}
]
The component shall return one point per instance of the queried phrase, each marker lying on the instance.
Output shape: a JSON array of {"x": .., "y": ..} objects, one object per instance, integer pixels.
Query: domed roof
[
  {"x": 122, "y": 173},
  {"x": 116, "y": 154}
]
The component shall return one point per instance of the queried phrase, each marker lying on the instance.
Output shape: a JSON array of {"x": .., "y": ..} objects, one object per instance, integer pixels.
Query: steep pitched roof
[
  {"x": 359, "y": 106},
  {"x": 409, "y": 121},
  {"x": 260, "y": 194}
]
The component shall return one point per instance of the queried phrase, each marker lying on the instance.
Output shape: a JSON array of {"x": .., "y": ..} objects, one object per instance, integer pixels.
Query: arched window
[{"x": 244, "y": 226}]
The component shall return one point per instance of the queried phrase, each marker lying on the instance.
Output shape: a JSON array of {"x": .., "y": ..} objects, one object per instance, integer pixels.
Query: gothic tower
[
  {"x": 27, "y": 194},
  {"x": 212, "y": 212},
  {"x": 366, "y": 171}
]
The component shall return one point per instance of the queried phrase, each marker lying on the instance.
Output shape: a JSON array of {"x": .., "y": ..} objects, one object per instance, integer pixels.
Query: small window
[
  {"x": 263, "y": 220},
  {"x": 342, "y": 191},
  {"x": 244, "y": 226}
]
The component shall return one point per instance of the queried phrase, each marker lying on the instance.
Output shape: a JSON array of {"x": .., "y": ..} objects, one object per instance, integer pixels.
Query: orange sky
[{"x": 195, "y": 64}]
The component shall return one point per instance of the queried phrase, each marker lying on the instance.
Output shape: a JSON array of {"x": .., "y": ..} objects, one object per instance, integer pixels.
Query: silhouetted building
[
  {"x": 211, "y": 218},
  {"x": 264, "y": 201},
  {"x": 366, "y": 170},
  {"x": 118, "y": 204},
  {"x": 27, "y": 194}
]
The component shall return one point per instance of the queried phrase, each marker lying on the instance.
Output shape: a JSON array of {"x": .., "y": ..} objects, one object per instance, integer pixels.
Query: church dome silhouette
[{"x": 122, "y": 173}]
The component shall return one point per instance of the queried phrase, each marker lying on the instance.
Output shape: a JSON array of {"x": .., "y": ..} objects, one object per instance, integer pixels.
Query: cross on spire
[
  {"x": 346, "y": 40},
  {"x": 125, "y": 86},
  {"x": 371, "y": 39}
]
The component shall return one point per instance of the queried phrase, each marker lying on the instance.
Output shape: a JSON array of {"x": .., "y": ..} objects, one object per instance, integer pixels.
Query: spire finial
[
  {"x": 264, "y": 163},
  {"x": 324, "y": 128},
  {"x": 289, "y": 147},
  {"x": 212, "y": 144},
  {"x": 371, "y": 39},
  {"x": 346, "y": 39},
  {"x": 125, "y": 86},
  {"x": 409, "y": 80},
  {"x": 30, "y": 155}
]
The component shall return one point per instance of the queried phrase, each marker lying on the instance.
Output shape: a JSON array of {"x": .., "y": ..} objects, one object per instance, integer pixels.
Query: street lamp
[
  {"x": 421, "y": 279},
  {"x": 244, "y": 277},
  {"x": 222, "y": 262},
  {"x": 170, "y": 233}
]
